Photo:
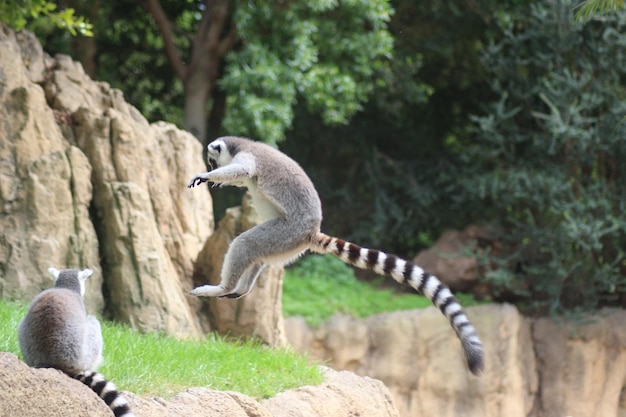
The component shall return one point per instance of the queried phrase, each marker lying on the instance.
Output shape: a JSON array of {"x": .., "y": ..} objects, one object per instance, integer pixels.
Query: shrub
[{"x": 545, "y": 165}]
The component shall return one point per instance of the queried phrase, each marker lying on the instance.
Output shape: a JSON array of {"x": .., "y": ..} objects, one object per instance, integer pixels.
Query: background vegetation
[{"x": 411, "y": 118}]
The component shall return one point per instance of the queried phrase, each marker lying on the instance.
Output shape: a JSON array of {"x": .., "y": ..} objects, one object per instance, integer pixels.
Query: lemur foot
[
  {"x": 231, "y": 295},
  {"x": 209, "y": 291}
]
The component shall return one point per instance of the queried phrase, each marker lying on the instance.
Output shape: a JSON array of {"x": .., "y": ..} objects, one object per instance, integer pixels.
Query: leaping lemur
[
  {"x": 57, "y": 333},
  {"x": 287, "y": 201}
]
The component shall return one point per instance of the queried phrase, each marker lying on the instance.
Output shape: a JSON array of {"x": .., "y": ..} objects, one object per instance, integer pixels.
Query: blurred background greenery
[{"x": 410, "y": 117}]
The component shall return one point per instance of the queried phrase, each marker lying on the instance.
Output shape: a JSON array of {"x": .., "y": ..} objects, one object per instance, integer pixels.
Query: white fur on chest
[{"x": 266, "y": 209}]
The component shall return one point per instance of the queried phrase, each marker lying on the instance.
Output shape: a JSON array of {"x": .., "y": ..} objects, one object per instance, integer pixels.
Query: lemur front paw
[{"x": 197, "y": 180}]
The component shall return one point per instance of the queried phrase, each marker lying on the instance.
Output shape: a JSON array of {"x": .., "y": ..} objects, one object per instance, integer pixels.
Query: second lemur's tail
[
  {"x": 406, "y": 272},
  {"x": 107, "y": 391}
]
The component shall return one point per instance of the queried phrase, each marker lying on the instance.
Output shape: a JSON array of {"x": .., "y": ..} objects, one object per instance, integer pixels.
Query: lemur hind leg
[
  {"x": 247, "y": 280},
  {"x": 239, "y": 258},
  {"x": 273, "y": 241}
]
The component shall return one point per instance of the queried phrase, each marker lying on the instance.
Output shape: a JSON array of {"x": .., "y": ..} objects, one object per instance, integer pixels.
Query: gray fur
[
  {"x": 283, "y": 195},
  {"x": 57, "y": 333},
  {"x": 286, "y": 199}
]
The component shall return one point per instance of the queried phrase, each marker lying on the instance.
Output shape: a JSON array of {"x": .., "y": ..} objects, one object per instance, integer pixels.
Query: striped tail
[
  {"x": 107, "y": 391},
  {"x": 406, "y": 272}
]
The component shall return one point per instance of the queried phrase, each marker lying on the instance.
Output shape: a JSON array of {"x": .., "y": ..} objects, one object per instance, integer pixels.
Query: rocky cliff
[
  {"x": 86, "y": 181},
  {"x": 534, "y": 367}
]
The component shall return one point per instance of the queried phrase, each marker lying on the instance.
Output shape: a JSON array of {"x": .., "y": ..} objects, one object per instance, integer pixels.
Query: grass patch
[
  {"x": 156, "y": 364},
  {"x": 317, "y": 287},
  {"x": 10, "y": 315}
]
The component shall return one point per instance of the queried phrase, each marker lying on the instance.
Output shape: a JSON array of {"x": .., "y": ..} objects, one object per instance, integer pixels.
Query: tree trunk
[
  {"x": 217, "y": 113},
  {"x": 214, "y": 38},
  {"x": 197, "y": 92}
]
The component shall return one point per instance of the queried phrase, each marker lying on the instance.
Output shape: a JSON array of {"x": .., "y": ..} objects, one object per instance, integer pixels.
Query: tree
[
  {"x": 215, "y": 36},
  {"x": 544, "y": 168},
  {"x": 259, "y": 58}
]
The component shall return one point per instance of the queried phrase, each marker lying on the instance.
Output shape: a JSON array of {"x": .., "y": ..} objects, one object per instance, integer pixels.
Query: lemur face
[{"x": 218, "y": 154}]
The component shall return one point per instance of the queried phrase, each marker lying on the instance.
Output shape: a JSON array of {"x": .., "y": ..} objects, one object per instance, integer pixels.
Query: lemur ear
[
  {"x": 54, "y": 272},
  {"x": 84, "y": 274},
  {"x": 82, "y": 277}
]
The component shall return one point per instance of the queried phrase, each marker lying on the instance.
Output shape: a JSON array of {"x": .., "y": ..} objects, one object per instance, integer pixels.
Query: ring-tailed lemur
[
  {"x": 57, "y": 333},
  {"x": 286, "y": 199}
]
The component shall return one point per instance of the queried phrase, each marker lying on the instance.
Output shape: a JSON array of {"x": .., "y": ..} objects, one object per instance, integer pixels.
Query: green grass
[
  {"x": 155, "y": 364},
  {"x": 10, "y": 315},
  {"x": 318, "y": 286}
]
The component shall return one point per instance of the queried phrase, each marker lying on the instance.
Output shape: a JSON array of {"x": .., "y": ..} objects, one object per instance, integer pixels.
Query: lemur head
[
  {"x": 72, "y": 279},
  {"x": 221, "y": 151}
]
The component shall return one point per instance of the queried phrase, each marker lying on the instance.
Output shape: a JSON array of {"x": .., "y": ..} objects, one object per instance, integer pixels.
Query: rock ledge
[{"x": 50, "y": 393}]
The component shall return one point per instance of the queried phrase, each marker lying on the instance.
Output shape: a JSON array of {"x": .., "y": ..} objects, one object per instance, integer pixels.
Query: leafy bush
[{"x": 545, "y": 166}]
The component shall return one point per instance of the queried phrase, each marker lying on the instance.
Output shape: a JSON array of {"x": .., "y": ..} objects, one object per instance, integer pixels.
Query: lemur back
[
  {"x": 287, "y": 200},
  {"x": 57, "y": 333}
]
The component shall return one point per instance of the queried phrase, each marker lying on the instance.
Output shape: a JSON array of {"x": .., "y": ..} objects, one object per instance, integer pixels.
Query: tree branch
[
  {"x": 197, "y": 46},
  {"x": 212, "y": 40},
  {"x": 219, "y": 14},
  {"x": 155, "y": 9},
  {"x": 229, "y": 41},
  {"x": 209, "y": 43}
]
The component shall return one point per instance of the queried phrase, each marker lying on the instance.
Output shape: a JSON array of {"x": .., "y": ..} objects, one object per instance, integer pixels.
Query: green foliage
[
  {"x": 323, "y": 53},
  {"x": 544, "y": 167},
  {"x": 391, "y": 167},
  {"x": 31, "y": 14},
  {"x": 155, "y": 364},
  {"x": 131, "y": 58},
  {"x": 589, "y": 8},
  {"x": 318, "y": 287}
]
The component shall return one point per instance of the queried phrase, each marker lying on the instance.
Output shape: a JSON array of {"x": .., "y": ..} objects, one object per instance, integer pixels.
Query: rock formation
[
  {"x": 534, "y": 367},
  {"x": 449, "y": 261},
  {"x": 342, "y": 394},
  {"x": 418, "y": 357},
  {"x": 86, "y": 181},
  {"x": 45, "y": 186},
  {"x": 29, "y": 392},
  {"x": 581, "y": 365}
]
